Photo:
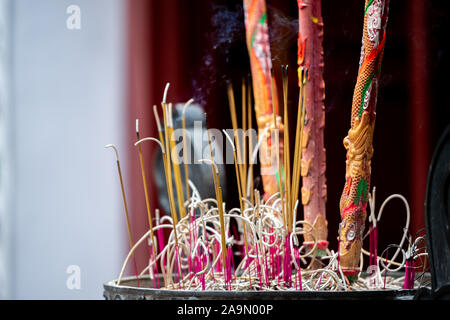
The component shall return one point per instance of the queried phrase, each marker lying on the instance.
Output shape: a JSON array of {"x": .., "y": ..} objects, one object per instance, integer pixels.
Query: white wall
[
  {"x": 6, "y": 163},
  {"x": 68, "y": 97}
]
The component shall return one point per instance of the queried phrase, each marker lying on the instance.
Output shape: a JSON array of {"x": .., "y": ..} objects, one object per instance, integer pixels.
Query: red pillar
[
  {"x": 139, "y": 106},
  {"x": 419, "y": 109},
  {"x": 154, "y": 58}
]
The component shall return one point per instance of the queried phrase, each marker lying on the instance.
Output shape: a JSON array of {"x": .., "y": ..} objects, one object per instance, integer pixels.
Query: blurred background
[{"x": 68, "y": 89}]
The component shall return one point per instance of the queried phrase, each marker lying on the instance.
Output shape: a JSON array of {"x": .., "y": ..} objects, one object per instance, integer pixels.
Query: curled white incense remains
[
  {"x": 257, "y": 246},
  {"x": 274, "y": 259}
]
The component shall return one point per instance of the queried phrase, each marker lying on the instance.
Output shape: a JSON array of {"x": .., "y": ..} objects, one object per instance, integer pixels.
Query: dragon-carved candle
[{"x": 358, "y": 142}]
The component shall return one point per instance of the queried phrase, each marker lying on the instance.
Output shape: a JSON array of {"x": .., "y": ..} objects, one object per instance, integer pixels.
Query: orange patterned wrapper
[
  {"x": 257, "y": 36},
  {"x": 353, "y": 203},
  {"x": 313, "y": 163}
]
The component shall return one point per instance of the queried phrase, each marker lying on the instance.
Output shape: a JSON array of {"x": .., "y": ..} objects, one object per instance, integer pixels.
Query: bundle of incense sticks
[{"x": 199, "y": 253}]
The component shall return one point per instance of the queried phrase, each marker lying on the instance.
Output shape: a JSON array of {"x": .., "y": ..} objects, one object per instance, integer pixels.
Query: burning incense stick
[
  {"x": 359, "y": 139},
  {"x": 250, "y": 142},
  {"x": 125, "y": 206},
  {"x": 166, "y": 172},
  {"x": 286, "y": 152},
  {"x": 280, "y": 175},
  {"x": 298, "y": 135},
  {"x": 219, "y": 199},
  {"x": 175, "y": 164},
  {"x": 234, "y": 122},
  {"x": 169, "y": 169},
  {"x": 138, "y": 144},
  {"x": 244, "y": 130},
  {"x": 185, "y": 148},
  {"x": 144, "y": 181},
  {"x": 240, "y": 191}
]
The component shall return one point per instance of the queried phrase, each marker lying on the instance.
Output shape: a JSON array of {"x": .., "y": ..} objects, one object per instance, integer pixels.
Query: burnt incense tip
[
  {"x": 137, "y": 125},
  {"x": 115, "y": 150},
  {"x": 229, "y": 139},
  {"x": 166, "y": 89},
  {"x": 186, "y": 105},
  {"x": 158, "y": 122},
  {"x": 151, "y": 139}
]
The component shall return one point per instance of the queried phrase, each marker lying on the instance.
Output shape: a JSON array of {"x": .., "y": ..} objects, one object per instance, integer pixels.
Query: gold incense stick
[
  {"x": 299, "y": 134},
  {"x": 240, "y": 193},
  {"x": 130, "y": 235},
  {"x": 287, "y": 165},
  {"x": 218, "y": 191},
  {"x": 250, "y": 142},
  {"x": 185, "y": 152},
  {"x": 144, "y": 181},
  {"x": 234, "y": 122},
  {"x": 297, "y": 164},
  {"x": 175, "y": 164},
  {"x": 222, "y": 228},
  {"x": 219, "y": 199},
  {"x": 169, "y": 174},
  {"x": 277, "y": 148},
  {"x": 244, "y": 130},
  {"x": 166, "y": 173}
]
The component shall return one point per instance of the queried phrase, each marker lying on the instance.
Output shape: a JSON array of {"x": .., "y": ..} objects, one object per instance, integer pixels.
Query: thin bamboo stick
[
  {"x": 244, "y": 130},
  {"x": 287, "y": 165},
  {"x": 240, "y": 191},
  {"x": 144, "y": 181},
  {"x": 125, "y": 205},
  {"x": 300, "y": 125},
  {"x": 169, "y": 173},
  {"x": 234, "y": 122},
  {"x": 277, "y": 148},
  {"x": 176, "y": 166},
  {"x": 250, "y": 142},
  {"x": 185, "y": 153},
  {"x": 219, "y": 199}
]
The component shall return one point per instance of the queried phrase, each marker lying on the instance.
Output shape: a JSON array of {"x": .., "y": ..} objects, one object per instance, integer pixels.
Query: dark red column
[
  {"x": 139, "y": 106},
  {"x": 419, "y": 116},
  {"x": 154, "y": 57}
]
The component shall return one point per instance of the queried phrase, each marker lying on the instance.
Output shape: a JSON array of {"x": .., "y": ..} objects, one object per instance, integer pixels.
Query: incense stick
[
  {"x": 244, "y": 130},
  {"x": 165, "y": 164},
  {"x": 125, "y": 205},
  {"x": 299, "y": 133},
  {"x": 277, "y": 149},
  {"x": 286, "y": 146},
  {"x": 175, "y": 164},
  {"x": 144, "y": 181},
  {"x": 169, "y": 172},
  {"x": 232, "y": 107},
  {"x": 250, "y": 142},
  {"x": 185, "y": 152},
  {"x": 138, "y": 144},
  {"x": 239, "y": 191}
]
